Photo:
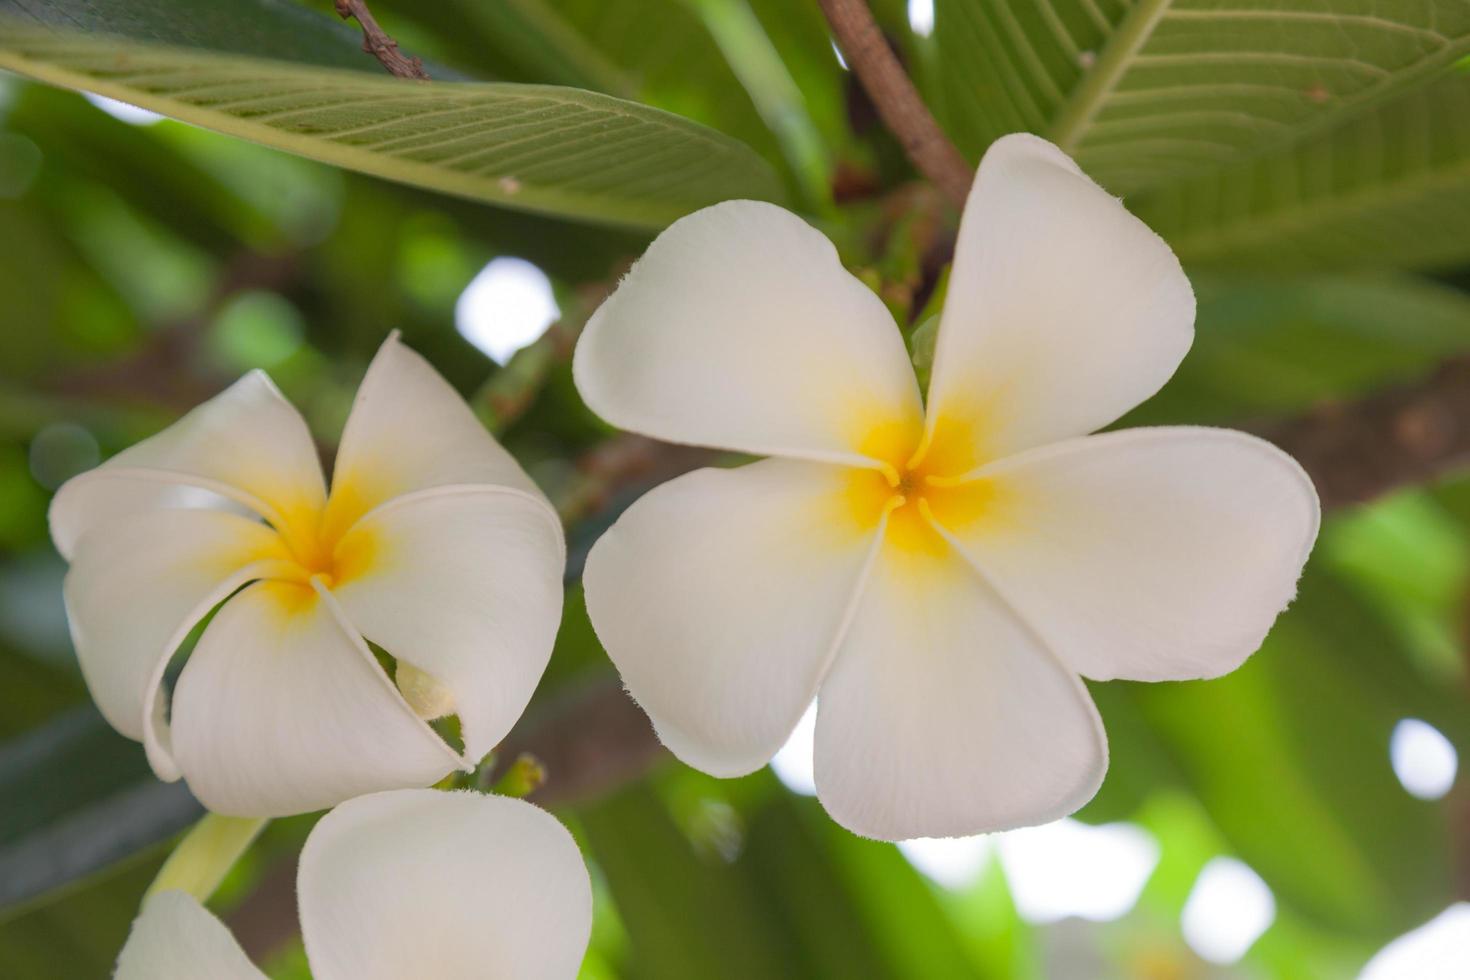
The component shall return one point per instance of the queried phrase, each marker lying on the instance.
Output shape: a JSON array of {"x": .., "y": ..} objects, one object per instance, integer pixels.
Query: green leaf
[
  {"x": 78, "y": 935},
  {"x": 532, "y": 147},
  {"x": 75, "y": 798},
  {"x": 687, "y": 916},
  {"x": 740, "y": 879},
  {"x": 714, "y": 61},
  {"x": 1289, "y": 756},
  {"x": 834, "y": 885},
  {"x": 1153, "y": 90},
  {"x": 258, "y": 28},
  {"x": 1389, "y": 188},
  {"x": 1273, "y": 347}
]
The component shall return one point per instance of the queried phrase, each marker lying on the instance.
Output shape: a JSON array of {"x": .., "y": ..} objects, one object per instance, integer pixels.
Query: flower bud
[{"x": 424, "y": 693}]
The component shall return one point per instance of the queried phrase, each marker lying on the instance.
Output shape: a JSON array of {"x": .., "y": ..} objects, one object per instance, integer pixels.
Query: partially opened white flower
[
  {"x": 401, "y": 884},
  {"x": 432, "y": 544},
  {"x": 936, "y": 574}
]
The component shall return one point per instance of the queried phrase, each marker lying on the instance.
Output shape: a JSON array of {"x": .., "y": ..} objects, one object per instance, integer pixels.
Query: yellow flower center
[
  {"x": 322, "y": 543},
  {"x": 922, "y": 485}
]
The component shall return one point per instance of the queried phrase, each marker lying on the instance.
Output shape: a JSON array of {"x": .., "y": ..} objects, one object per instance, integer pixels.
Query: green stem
[{"x": 206, "y": 854}]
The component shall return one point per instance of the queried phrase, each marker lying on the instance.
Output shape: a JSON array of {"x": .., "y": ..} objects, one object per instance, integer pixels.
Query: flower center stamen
[
  {"x": 920, "y": 487},
  {"x": 317, "y": 555}
]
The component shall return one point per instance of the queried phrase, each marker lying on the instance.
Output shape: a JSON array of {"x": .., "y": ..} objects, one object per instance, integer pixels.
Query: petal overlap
[
  {"x": 1063, "y": 310},
  {"x": 410, "y": 431},
  {"x": 246, "y": 447},
  {"x": 944, "y": 715},
  {"x": 281, "y": 709},
  {"x": 482, "y": 628},
  {"x": 134, "y": 591},
  {"x": 721, "y": 596},
  {"x": 1148, "y": 554}
]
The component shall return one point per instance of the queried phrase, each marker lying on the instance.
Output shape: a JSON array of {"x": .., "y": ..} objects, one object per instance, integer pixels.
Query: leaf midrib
[{"x": 1087, "y": 99}]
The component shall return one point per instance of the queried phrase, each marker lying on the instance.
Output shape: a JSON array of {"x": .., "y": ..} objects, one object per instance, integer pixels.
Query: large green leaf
[
  {"x": 1389, "y": 188},
  {"x": 1289, "y": 756},
  {"x": 740, "y": 879},
  {"x": 709, "y": 60},
  {"x": 1274, "y": 347},
  {"x": 533, "y": 147},
  {"x": 1146, "y": 91},
  {"x": 260, "y": 28},
  {"x": 76, "y": 798}
]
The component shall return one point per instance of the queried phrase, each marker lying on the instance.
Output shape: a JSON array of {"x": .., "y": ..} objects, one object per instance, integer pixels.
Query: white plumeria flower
[
  {"x": 405, "y": 883},
  {"x": 433, "y": 544},
  {"x": 937, "y": 575}
]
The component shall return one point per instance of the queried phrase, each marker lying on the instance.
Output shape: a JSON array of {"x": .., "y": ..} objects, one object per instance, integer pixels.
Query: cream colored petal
[
  {"x": 409, "y": 430},
  {"x": 281, "y": 710},
  {"x": 720, "y": 596},
  {"x": 134, "y": 591},
  {"x": 740, "y": 329},
  {"x": 943, "y": 716},
  {"x": 1150, "y": 554},
  {"x": 449, "y": 886},
  {"x": 176, "y": 938},
  {"x": 464, "y": 584},
  {"x": 1063, "y": 310},
  {"x": 246, "y": 448}
]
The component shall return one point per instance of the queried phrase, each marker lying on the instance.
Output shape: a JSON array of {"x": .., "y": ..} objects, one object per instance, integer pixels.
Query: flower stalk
[{"x": 206, "y": 854}]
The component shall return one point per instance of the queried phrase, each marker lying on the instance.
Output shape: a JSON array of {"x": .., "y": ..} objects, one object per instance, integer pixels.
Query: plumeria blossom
[
  {"x": 937, "y": 573},
  {"x": 432, "y": 544},
  {"x": 398, "y": 884}
]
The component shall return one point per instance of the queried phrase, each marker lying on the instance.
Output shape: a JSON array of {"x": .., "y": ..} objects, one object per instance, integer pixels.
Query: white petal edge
[
  {"x": 246, "y": 446},
  {"x": 454, "y": 886},
  {"x": 134, "y": 591},
  {"x": 409, "y": 430},
  {"x": 282, "y": 709},
  {"x": 1063, "y": 310},
  {"x": 1148, "y": 554},
  {"x": 176, "y": 938},
  {"x": 740, "y": 329},
  {"x": 721, "y": 596},
  {"x": 466, "y": 585},
  {"x": 944, "y": 716}
]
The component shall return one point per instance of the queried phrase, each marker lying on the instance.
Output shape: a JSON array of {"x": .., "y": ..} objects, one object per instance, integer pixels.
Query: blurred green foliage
[{"x": 1310, "y": 161}]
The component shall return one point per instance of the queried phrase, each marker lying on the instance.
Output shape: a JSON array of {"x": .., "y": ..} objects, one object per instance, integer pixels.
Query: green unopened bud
[
  {"x": 522, "y": 778},
  {"x": 424, "y": 693}
]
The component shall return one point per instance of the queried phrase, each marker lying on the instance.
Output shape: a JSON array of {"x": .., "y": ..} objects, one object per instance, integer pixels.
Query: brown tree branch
[
  {"x": 896, "y": 99},
  {"x": 1402, "y": 436},
  {"x": 376, "y": 42}
]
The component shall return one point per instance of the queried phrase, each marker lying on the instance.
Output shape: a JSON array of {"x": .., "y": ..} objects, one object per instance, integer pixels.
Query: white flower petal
[
  {"x": 943, "y": 716},
  {"x": 1063, "y": 310},
  {"x": 281, "y": 710},
  {"x": 134, "y": 591},
  {"x": 409, "y": 430},
  {"x": 740, "y": 329},
  {"x": 246, "y": 445},
  {"x": 454, "y": 886},
  {"x": 176, "y": 938},
  {"x": 720, "y": 596},
  {"x": 466, "y": 585},
  {"x": 1150, "y": 554}
]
